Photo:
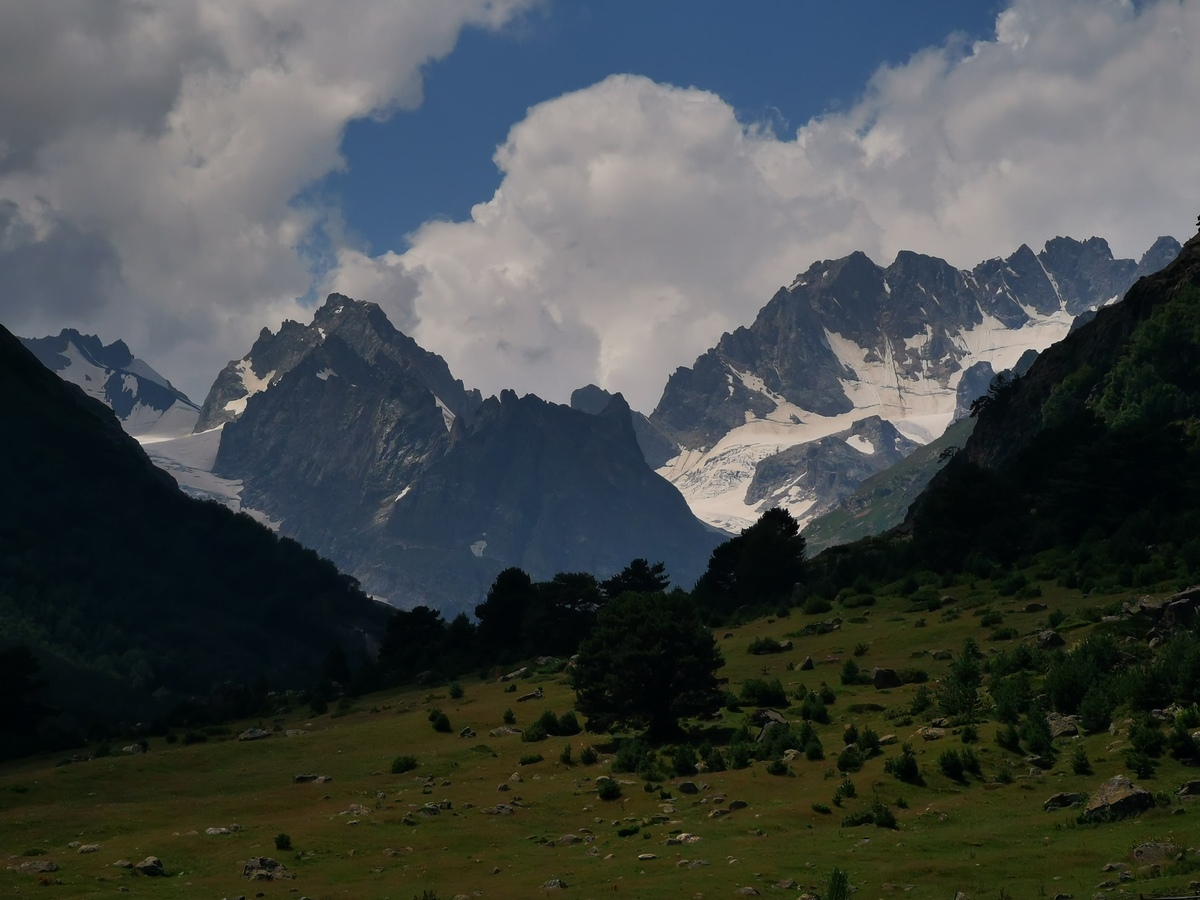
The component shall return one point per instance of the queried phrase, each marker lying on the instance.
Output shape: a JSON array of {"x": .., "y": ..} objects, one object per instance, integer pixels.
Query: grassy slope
[{"x": 977, "y": 838}]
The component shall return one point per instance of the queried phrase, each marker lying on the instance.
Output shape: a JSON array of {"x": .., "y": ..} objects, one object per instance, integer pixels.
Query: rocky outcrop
[{"x": 1117, "y": 798}]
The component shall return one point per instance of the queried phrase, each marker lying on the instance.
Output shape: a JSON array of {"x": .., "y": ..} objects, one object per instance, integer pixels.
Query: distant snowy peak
[
  {"x": 339, "y": 327},
  {"x": 148, "y": 406},
  {"x": 849, "y": 339}
]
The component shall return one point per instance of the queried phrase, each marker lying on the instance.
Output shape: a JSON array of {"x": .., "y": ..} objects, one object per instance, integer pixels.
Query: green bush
[
  {"x": 951, "y": 765},
  {"x": 588, "y": 755},
  {"x": 456, "y": 691},
  {"x": 535, "y": 732},
  {"x": 821, "y": 808},
  {"x": 1008, "y": 739},
  {"x": 816, "y": 605},
  {"x": 904, "y": 766},
  {"x": 777, "y": 767},
  {"x": 683, "y": 760},
  {"x": 568, "y": 724},
  {"x": 441, "y": 722},
  {"x": 739, "y": 756},
  {"x": 868, "y": 741},
  {"x": 850, "y": 760},
  {"x": 759, "y": 692},
  {"x": 608, "y": 789},
  {"x": 402, "y": 764},
  {"x": 764, "y": 645},
  {"x": 510, "y": 718},
  {"x": 564, "y": 756},
  {"x": 283, "y": 841},
  {"x": 631, "y": 756},
  {"x": 846, "y": 790},
  {"x": 812, "y": 708},
  {"x": 531, "y": 758},
  {"x": 1080, "y": 764},
  {"x": 813, "y": 751}
]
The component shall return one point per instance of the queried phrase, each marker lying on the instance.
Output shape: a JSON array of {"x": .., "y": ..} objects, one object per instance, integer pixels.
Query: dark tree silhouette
[
  {"x": 639, "y": 577},
  {"x": 648, "y": 663},
  {"x": 760, "y": 566}
]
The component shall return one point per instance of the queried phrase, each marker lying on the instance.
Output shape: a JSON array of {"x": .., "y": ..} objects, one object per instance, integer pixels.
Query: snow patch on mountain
[{"x": 252, "y": 384}]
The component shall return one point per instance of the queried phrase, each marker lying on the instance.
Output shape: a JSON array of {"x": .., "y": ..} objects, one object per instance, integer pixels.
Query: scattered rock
[
  {"x": 1062, "y": 726},
  {"x": 134, "y": 748},
  {"x": 324, "y": 779},
  {"x": 35, "y": 867},
  {"x": 502, "y": 786},
  {"x": 151, "y": 865},
  {"x": 727, "y": 635},
  {"x": 294, "y": 732},
  {"x": 942, "y": 654},
  {"x": 513, "y": 676},
  {"x": 929, "y": 733},
  {"x": 1189, "y": 789},
  {"x": 263, "y": 868},
  {"x": 516, "y": 777},
  {"x": 467, "y": 732},
  {"x": 535, "y": 695},
  {"x": 785, "y": 645},
  {"x": 747, "y": 891},
  {"x": 1034, "y": 607},
  {"x": 885, "y": 678},
  {"x": 1063, "y": 800},
  {"x": 88, "y": 848},
  {"x": 688, "y": 787},
  {"x": 355, "y": 809},
  {"x": 1152, "y": 852},
  {"x": 1049, "y": 638},
  {"x": 504, "y": 730},
  {"x": 737, "y": 804},
  {"x": 887, "y": 740},
  {"x": 646, "y": 857},
  {"x": 303, "y": 779},
  {"x": 217, "y": 830},
  {"x": 122, "y": 864},
  {"x": 254, "y": 734},
  {"x": 569, "y": 840},
  {"x": 807, "y": 665},
  {"x": 500, "y": 809},
  {"x": 554, "y": 884},
  {"x": 1117, "y": 798},
  {"x": 718, "y": 813}
]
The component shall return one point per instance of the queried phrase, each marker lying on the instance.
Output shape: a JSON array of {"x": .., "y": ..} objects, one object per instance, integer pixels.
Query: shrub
[
  {"x": 821, "y": 808},
  {"x": 456, "y": 691},
  {"x": 922, "y": 700},
  {"x": 588, "y": 755},
  {"x": 1056, "y": 618},
  {"x": 1080, "y": 764},
  {"x": 758, "y": 692},
  {"x": 510, "y": 689},
  {"x": 441, "y": 722},
  {"x": 608, "y": 789},
  {"x": 777, "y": 767},
  {"x": 534, "y": 733},
  {"x": 850, "y": 735},
  {"x": 860, "y": 649},
  {"x": 816, "y": 605},
  {"x": 951, "y": 764},
  {"x": 739, "y": 756},
  {"x": 851, "y": 673},
  {"x": 846, "y": 790},
  {"x": 510, "y": 718},
  {"x": 713, "y": 760},
  {"x": 1008, "y": 738},
  {"x": 283, "y": 841},
  {"x": 850, "y": 760},
  {"x": 564, "y": 756},
  {"x": 990, "y": 618},
  {"x": 548, "y": 722},
  {"x": 904, "y": 766},
  {"x": 813, "y": 750},
  {"x": 868, "y": 741},
  {"x": 826, "y": 694},
  {"x": 568, "y": 724},
  {"x": 1146, "y": 736},
  {"x": 631, "y": 755},
  {"x": 1140, "y": 763},
  {"x": 971, "y": 762},
  {"x": 882, "y": 815},
  {"x": 531, "y": 758},
  {"x": 969, "y": 734},
  {"x": 812, "y": 708},
  {"x": 683, "y": 760},
  {"x": 763, "y": 645},
  {"x": 839, "y": 886},
  {"x": 402, "y": 764}
]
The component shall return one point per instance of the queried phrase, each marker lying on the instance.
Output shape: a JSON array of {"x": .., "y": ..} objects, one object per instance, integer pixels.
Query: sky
[{"x": 555, "y": 192}]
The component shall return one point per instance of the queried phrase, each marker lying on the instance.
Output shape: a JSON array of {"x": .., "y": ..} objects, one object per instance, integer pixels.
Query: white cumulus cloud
[
  {"x": 636, "y": 221},
  {"x": 151, "y": 154}
]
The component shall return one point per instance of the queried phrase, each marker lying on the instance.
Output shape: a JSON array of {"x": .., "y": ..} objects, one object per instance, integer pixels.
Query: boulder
[
  {"x": 1117, "y": 798},
  {"x": 766, "y": 716},
  {"x": 737, "y": 804},
  {"x": 554, "y": 884},
  {"x": 263, "y": 868},
  {"x": 688, "y": 787},
  {"x": 1189, "y": 789},
  {"x": 885, "y": 678},
  {"x": 929, "y": 733},
  {"x": 303, "y": 779},
  {"x": 88, "y": 848},
  {"x": 467, "y": 732},
  {"x": 807, "y": 665},
  {"x": 533, "y": 695},
  {"x": 1034, "y": 607},
  {"x": 513, "y": 676},
  {"x": 1049, "y": 639},
  {"x": 1063, "y": 800},
  {"x": 35, "y": 867},
  {"x": 785, "y": 646},
  {"x": 569, "y": 839},
  {"x": 1062, "y": 726},
  {"x": 254, "y": 734},
  {"x": 942, "y": 654},
  {"x": 503, "y": 731},
  {"x": 151, "y": 865}
]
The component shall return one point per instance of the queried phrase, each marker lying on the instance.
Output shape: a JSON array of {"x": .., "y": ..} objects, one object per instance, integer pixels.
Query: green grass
[{"x": 971, "y": 836}]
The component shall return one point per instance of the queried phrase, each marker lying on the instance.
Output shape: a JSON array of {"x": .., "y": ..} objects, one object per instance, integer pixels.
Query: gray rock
[
  {"x": 522, "y": 672},
  {"x": 1049, "y": 639},
  {"x": 1117, "y": 798},
  {"x": 263, "y": 868},
  {"x": 807, "y": 665},
  {"x": 1062, "y": 726},
  {"x": 35, "y": 867},
  {"x": 1189, "y": 789},
  {"x": 254, "y": 734},
  {"x": 303, "y": 779},
  {"x": 688, "y": 787},
  {"x": 151, "y": 865},
  {"x": 1063, "y": 800},
  {"x": 554, "y": 884}
]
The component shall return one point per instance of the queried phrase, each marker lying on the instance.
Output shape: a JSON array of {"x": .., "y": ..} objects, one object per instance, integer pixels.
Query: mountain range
[{"x": 351, "y": 438}]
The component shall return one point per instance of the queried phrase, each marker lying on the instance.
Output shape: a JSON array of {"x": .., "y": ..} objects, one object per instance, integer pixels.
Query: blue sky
[
  {"x": 555, "y": 192},
  {"x": 779, "y": 62}
]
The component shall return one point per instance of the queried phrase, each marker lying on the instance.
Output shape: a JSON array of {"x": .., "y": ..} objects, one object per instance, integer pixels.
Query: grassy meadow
[{"x": 986, "y": 836}]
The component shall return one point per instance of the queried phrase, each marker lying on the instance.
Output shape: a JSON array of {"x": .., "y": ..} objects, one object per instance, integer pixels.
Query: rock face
[
  {"x": 362, "y": 446},
  {"x": 849, "y": 339},
  {"x": 144, "y": 402},
  {"x": 1117, "y": 798}
]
